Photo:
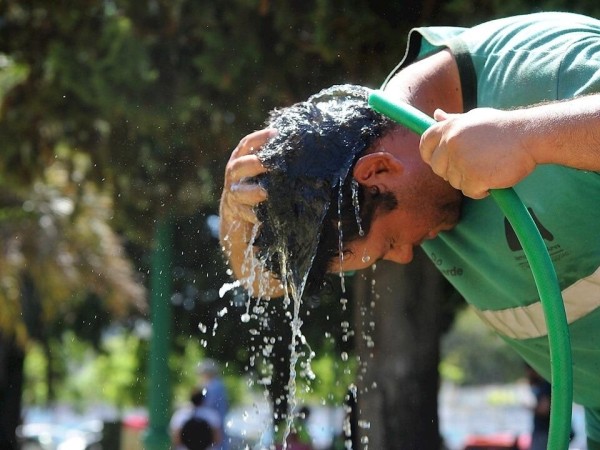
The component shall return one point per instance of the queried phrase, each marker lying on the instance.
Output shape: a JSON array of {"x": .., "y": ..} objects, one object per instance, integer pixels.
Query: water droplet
[
  {"x": 227, "y": 287},
  {"x": 341, "y": 236},
  {"x": 355, "y": 203}
]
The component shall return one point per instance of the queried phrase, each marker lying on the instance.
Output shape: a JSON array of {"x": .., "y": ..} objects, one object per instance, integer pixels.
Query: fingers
[
  {"x": 428, "y": 143},
  {"x": 477, "y": 195},
  {"x": 432, "y": 137},
  {"x": 243, "y": 162},
  {"x": 470, "y": 188},
  {"x": 435, "y": 151},
  {"x": 244, "y": 167},
  {"x": 438, "y": 160},
  {"x": 242, "y": 196},
  {"x": 253, "y": 142},
  {"x": 239, "y": 195},
  {"x": 247, "y": 193},
  {"x": 246, "y": 214},
  {"x": 239, "y": 200},
  {"x": 440, "y": 114}
]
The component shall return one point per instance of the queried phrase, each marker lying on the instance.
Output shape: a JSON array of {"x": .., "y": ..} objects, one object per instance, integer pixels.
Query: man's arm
[
  {"x": 238, "y": 221},
  {"x": 488, "y": 148}
]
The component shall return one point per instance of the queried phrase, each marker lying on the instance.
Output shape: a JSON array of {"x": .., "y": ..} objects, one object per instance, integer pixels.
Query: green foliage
[
  {"x": 113, "y": 375},
  {"x": 472, "y": 354},
  {"x": 58, "y": 248},
  {"x": 120, "y": 363},
  {"x": 155, "y": 95},
  {"x": 334, "y": 373},
  {"x": 11, "y": 75},
  {"x": 157, "y": 92},
  {"x": 125, "y": 110},
  {"x": 184, "y": 369},
  {"x": 184, "y": 373},
  {"x": 35, "y": 389}
]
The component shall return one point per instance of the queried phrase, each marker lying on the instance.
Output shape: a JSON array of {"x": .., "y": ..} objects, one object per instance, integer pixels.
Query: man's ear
[{"x": 376, "y": 168}]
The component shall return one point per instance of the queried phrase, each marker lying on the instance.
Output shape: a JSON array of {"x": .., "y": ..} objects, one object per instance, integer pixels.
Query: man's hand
[
  {"x": 240, "y": 196},
  {"x": 477, "y": 151},
  {"x": 237, "y": 216}
]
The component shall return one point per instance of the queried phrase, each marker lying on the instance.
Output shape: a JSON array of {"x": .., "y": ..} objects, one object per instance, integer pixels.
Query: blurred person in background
[
  {"x": 541, "y": 390},
  {"x": 195, "y": 426},
  {"x": 215, "y": 393}
]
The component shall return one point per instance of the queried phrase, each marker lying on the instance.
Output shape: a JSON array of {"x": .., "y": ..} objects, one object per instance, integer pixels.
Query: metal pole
[{"x": 159, "y": 386}]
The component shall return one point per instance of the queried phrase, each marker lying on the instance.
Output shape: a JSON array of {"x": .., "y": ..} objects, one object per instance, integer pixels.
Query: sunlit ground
[
  {"x": 492, "y": 410},
  {"x": 487, "y": 410}
]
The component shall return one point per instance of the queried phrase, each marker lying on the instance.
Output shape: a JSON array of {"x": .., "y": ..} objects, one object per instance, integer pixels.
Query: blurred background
[{"x": 116, "y": 120}]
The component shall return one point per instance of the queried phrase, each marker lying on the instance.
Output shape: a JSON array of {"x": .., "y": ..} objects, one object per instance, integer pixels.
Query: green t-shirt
[{"x": 504, "y": 64}]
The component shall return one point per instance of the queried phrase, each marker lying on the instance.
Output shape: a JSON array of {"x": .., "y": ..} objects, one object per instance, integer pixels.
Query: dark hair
[
  {"x": 309, "y": 190},
  {"x": 196, "y": 434},
  {"x": 197, "y": 397}
]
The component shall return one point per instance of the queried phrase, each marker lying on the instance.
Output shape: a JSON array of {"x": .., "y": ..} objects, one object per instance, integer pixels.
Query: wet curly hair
[{"x": 312, "y": 198}]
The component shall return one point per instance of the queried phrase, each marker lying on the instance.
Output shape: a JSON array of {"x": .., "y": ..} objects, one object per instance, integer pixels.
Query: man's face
[
  {"x": 427, "y": 205},
  {"x": 392, "y": 237}
]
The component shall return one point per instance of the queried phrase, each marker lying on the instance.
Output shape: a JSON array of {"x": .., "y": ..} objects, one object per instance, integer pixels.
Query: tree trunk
[
  {"x": 11, "y": 389},
  {"x": 398, "y": 321},
  {"x": 280, "y": 333}
]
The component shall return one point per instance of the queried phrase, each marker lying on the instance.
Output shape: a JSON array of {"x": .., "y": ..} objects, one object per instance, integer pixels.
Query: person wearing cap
[
  {"x": 215, "y": 395},
  {"x": 200, "y": 423},
  {"x": 517, "y": 104}
]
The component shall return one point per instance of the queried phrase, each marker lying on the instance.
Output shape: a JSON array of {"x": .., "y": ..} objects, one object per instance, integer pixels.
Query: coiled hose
[{"x": 541, "y": 268}]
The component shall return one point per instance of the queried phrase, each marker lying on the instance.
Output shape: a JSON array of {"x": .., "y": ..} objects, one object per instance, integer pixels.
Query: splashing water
[
  {"x": 365, "y": 258},
  {"x": 341, "y": 240},
  {"x": 227, "y": 287},
  {"x": 308, "y": 163},
  {"x": 356, "y": 205}
]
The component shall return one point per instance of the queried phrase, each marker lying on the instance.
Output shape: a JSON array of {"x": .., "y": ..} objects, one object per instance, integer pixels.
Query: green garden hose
[{"x": 541, "y": 268}]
